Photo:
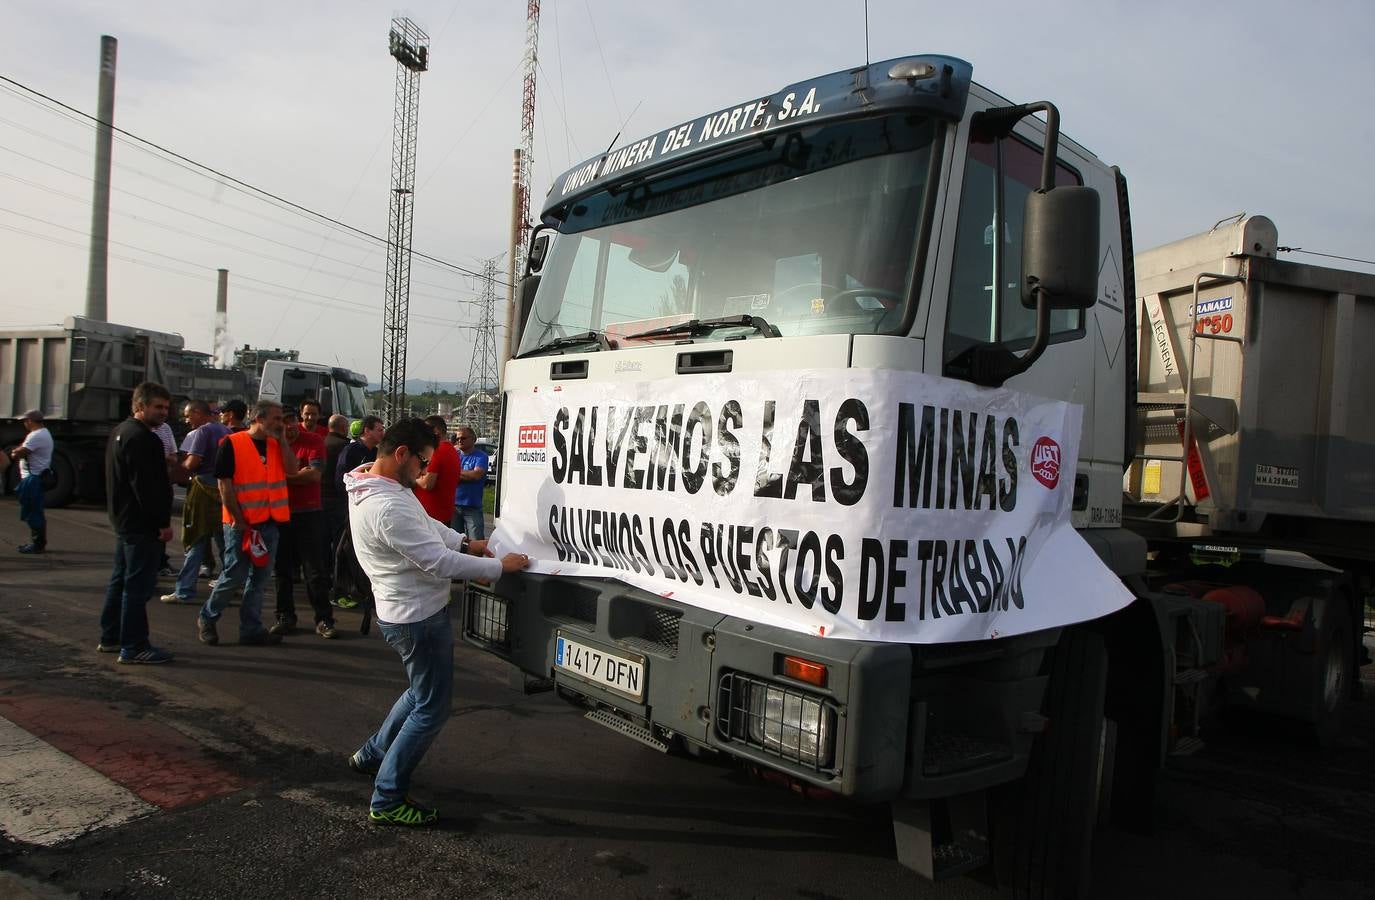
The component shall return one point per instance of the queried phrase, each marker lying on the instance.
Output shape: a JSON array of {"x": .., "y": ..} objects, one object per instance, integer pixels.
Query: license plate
[{"x": 609, "y": 670}]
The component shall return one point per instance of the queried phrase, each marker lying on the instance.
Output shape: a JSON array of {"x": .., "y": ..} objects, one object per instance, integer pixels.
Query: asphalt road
[{"x": 539, "y": 802}]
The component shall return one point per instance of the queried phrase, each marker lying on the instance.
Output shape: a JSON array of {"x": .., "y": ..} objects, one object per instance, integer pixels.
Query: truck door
[
  {"x": 303, "y": 384},
  {"x": 980, "y": 312}
]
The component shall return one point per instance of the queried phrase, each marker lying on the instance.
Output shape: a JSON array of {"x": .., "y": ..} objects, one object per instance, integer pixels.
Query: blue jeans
[
  {"x": 191, "y": 564},
  {"x": 30, "y": 495},
  {"x": 124, "y": 618},
  {"x": 427, "y": 652},
  {"x": 469, "y": 520},
  {"x": 239, "y": 570}
]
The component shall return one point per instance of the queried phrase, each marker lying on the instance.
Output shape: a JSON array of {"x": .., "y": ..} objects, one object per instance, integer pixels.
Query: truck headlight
[
  {"x": 487, "y": 617},
  {"x": 791, "y": 724}
]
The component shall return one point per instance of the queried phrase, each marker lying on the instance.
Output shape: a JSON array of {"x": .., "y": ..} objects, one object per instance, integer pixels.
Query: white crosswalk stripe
[{"x": 46, "y": 797}]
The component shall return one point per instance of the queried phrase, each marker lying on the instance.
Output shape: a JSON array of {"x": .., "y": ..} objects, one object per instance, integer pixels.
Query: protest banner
[{"x": 869, "y": 504}]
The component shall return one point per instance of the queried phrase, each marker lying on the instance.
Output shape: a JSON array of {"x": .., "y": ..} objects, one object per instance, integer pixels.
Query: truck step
[
  {"x": 955, "y": 859},
  {"x": 1189, "y": 676},
  {"x": 948, "y": 752},
  {"x": 629, "y": 729},
  {"x": 1187, "y": 746}
]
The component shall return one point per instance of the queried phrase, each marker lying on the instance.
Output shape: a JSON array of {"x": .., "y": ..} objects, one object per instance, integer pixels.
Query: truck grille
[
  {"x": 645, "y": 627},
  {"x": 574, "y": 605}
]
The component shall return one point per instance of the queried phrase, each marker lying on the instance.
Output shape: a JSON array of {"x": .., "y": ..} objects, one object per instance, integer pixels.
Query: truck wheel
[
  {"x": 1334, "y": 671},
  {"x": 1043, "y": 826},
  {"x": 61, "y": 488}
]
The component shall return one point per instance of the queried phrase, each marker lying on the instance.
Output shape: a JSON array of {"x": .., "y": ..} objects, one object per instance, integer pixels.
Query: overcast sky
[{"x": 1209, "y": 108}]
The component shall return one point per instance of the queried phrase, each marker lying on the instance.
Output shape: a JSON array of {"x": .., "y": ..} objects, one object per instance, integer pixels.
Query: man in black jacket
[{"x": 139, "y": 503}]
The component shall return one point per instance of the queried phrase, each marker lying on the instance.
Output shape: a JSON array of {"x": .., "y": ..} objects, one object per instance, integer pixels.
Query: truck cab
[
  {"x": 871, "y": 220},
  {"x": 338, "y": 390}
]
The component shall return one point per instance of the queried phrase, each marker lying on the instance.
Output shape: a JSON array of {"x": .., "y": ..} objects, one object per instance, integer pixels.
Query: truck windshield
[
  {"x": 814, "y": 231},
  {"x": 349, "y": 401}
]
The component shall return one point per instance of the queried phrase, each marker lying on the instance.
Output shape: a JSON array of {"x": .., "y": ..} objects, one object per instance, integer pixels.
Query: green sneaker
[
  {"x": 344, "y": 602},
  {"x": 407, "y": 812}
]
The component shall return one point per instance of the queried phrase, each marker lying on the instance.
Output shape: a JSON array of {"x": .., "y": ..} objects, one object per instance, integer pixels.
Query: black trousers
[{"x": 304, "y": 549}]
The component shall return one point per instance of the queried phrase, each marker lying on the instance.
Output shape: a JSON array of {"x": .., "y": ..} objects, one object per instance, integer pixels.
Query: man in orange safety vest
[{"x": 251, "y": 469}]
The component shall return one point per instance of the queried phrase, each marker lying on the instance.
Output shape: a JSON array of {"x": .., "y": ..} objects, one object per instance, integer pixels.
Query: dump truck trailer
[
  {"x": 81, "y": 375},
  {"x": 788, "y": 375},
  {"x": 1255, "y": 481}
]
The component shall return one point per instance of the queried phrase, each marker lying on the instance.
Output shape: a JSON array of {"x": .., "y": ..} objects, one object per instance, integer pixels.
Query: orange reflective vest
[{"x": 260, "y": 489}]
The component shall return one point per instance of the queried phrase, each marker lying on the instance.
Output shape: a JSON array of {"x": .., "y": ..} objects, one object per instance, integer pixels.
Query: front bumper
[{"x": 870, "y": 731}]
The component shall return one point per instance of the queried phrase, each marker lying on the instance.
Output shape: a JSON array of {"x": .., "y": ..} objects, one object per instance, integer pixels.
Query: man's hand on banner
[{"x": 514, "y": 562}]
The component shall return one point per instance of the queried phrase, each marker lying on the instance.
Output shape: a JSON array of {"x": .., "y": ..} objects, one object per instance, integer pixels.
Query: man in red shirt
[
  {"x": 304, "y": 542},
  {"x": 310, "y": 418},
  {"x": 436, "y": 487}
]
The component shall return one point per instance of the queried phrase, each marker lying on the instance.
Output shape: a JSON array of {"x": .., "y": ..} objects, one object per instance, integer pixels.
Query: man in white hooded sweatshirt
[{"x": 411, "y": 559}]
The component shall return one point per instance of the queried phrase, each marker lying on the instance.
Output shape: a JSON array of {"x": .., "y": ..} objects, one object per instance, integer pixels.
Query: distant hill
[{"x": 418, "y": 386}]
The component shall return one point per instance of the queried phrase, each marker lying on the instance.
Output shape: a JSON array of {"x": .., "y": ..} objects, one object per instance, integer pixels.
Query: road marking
[
  {"x": 46, "y": 797},
  {"x": 157, "y": 763}
]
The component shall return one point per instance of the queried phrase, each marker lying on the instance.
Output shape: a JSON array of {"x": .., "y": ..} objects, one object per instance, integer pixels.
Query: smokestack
[
  {"x": 96, "y": 280},
  {"x": 511, "y": 273},
  {"x": 224, "y": 351}
]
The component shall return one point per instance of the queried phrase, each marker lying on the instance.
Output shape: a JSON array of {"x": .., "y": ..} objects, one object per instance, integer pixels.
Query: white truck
[
  {"x": 338, "y": 390},
  {"x": 886, "y": 224}
]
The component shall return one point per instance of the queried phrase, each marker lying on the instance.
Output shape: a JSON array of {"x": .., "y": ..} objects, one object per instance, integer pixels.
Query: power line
[
  {"x": 610, "y": 85},
  {"x": 1355, "y": 259},
  {"x": 345, "y": 305},
  {"x": 365, "y": 248},
  {"x": 235, "y": 181},
  {"x": 468, "y": 298}
]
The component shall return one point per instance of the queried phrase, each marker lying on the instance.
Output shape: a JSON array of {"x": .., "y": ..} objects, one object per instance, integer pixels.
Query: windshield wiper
[
  {"x": 569, "y": 340},
  {"x": 706, "y": 326}
]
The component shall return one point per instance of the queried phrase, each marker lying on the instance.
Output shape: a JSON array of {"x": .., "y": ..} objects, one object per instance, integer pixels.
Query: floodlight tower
[
  {"x": 525, "y": 161},
  {"x": 411, "y": 48},
  {"x": 527, "y": 130}
]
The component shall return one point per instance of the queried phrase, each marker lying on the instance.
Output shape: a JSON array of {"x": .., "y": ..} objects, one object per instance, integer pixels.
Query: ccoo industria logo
[
  {"x": 1045, "y": 462},
  {"x": 530, "y": 445}
]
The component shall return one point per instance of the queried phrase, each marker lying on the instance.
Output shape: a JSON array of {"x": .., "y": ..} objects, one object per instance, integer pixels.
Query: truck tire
[
  {"x": 59, "y": 489},
  {"x": 1043, "y": 825},
  {"x": 1334, "y": 671}
]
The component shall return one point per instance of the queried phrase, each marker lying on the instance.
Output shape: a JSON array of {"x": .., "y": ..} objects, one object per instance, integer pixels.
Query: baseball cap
[
  {"x": 256, "y": 547},
  {"x": 356, "y": 428},
  {"x": 238, "y": 407}
]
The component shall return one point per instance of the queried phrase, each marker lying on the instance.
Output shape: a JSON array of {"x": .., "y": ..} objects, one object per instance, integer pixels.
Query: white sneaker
[{"x": 173, "y": 598}]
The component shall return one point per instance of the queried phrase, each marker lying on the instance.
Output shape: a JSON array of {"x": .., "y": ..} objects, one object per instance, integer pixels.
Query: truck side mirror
[
  {"x": 525, "y": 300},
  {"x": 1060, "y": 248},
  {"x": 539, "y": 249}
]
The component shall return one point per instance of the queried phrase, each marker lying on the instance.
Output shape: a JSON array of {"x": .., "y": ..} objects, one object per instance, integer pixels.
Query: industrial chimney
[
  {"x": 222, "y": 348},
  {"x": 96, "y": 280}
]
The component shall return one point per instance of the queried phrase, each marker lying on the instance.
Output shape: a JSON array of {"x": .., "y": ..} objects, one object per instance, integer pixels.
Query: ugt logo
[{"x": 1045, "y": 462}]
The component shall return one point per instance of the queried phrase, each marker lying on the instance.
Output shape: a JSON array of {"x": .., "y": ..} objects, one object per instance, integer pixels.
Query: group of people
[{"x": 270, "y": 491}]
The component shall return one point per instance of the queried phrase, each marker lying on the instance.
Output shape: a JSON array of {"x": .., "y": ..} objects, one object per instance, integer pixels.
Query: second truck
[{"x": 81, "y": 374}]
